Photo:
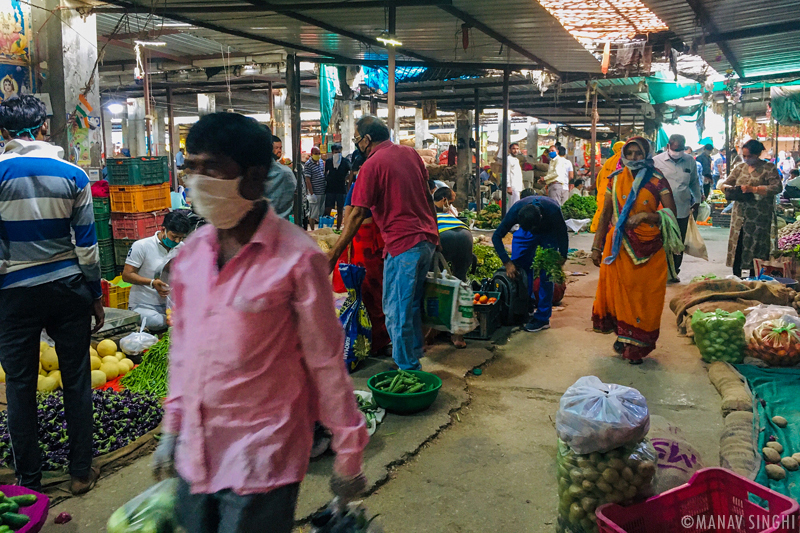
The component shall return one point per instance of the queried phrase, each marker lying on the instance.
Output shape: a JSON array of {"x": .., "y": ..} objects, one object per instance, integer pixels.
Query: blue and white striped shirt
[{"x": 47, "y": 228}]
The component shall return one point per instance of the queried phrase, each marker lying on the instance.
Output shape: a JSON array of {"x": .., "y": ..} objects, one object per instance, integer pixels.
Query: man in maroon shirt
[{"x": 393, "y": 185}]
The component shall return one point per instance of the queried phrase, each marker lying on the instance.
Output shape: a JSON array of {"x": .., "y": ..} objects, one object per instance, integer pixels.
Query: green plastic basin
[{"x": 405, "y": 403}]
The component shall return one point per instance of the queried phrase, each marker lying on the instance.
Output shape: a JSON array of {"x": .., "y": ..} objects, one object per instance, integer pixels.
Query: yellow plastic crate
[
  {"x": 118, "y": 297},
  {"x": 139, "y": 198}
]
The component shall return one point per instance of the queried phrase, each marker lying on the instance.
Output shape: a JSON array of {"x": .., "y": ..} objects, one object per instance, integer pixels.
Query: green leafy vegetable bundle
[
  {"x": 579, "y": 207},
  {"x": 549, "y": 260},
  {"x": 719, "y": 335},
  {"x": 489, "y": 218},
  {"x": 488, "y": 262}
]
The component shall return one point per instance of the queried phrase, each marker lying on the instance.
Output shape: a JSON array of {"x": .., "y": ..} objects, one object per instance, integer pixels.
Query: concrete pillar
[
  {"x": 108, "y": 144},
  {"x": 283, "y": 122},
  {"x": 137, "y": 136},
  {"x": 464, "y": 162},
  {"x": 420, "y": 130},
  {"x": 160, "y": 132},
  {"x": 206, "y": 104},
  {"x": 348, "y": 126},
  {"x": 365, "y": 107},
  {"x": 66, "y": 53},
  {"x": 533, "y": 142}
]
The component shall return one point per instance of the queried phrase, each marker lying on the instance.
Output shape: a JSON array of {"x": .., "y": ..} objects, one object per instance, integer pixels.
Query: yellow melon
[
  {"x": 49, "y": 359},
  {"x": 98, "y": 379},
  {"x": 106, "y": 347}
]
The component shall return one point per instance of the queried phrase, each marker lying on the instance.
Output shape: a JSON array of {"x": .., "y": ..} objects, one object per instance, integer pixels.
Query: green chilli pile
[
  {"x": 585, "y": 482},
  {"x": 151, "y": 375}
]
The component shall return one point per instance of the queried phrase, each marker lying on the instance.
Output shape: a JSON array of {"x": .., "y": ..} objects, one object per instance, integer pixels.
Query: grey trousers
[{"x": 227, "y": 512}]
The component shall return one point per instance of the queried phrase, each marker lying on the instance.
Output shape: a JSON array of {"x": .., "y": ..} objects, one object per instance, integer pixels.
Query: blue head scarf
[{"x": 643, "y": 171}]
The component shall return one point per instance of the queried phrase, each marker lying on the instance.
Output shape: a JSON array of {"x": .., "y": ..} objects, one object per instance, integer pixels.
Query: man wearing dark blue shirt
[{"x": 540, "y": 224}]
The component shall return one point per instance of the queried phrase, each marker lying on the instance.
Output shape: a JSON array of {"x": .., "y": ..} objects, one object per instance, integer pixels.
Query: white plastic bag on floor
[{"x": 597, "y": 417}]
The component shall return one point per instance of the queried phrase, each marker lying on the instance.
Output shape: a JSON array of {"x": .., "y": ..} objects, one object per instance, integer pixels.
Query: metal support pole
[
  {"x": 504, "y": 137},
  {"x": 619, "y": 123},
  {"x": 478, "y": 197},
  {"x": 391, "y": 69},
  {"x": 271, "y": 108},
  {"x": 777, "y": 135},
  {"x": 173, "y": 144},
  {"x": 147, "y": 126},
  {"x": 728, "y": 157},
  {"x": 103, "y": 126},
  {"x": 293, "y": 86},
  {"x": 593, "y": 148}
]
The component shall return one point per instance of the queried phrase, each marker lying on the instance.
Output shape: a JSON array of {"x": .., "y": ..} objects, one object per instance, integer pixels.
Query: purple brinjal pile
[{"x": 119, "y": 419}]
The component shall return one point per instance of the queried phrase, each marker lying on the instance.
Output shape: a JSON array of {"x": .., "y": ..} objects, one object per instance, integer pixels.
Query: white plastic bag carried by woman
[
  {"x": 597, "y": 417},
  {"x": 694, "y": 243}
]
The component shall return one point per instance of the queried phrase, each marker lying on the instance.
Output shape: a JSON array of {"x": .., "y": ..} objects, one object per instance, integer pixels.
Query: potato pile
[
  {"x": 777, "y": 463},
  {"x": 623, "y": 475}
]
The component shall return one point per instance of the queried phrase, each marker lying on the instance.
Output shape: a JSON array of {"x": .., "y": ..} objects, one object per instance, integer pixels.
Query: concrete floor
[{"x": 483, "y": 458}]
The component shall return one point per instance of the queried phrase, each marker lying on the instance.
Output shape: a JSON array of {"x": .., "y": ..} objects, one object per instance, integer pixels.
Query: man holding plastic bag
[{"x": 256, "y": 352}]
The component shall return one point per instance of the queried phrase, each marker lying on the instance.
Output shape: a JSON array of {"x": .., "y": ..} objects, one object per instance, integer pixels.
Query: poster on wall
[
  {"x": 16, "y": 77},
  {"x": 86, "y": 144}
]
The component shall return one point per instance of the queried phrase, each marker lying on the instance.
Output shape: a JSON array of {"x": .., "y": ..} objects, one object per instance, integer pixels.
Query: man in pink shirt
[
  {"x": 246, "y": 382},
  {"x": 393, "y": 185}
]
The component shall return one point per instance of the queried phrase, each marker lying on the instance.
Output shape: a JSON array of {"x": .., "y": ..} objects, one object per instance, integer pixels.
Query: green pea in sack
[{"x": 719, "y": 335}]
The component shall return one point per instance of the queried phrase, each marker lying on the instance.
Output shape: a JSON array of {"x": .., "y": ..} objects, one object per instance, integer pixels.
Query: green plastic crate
[
  {"x": 121, "y": 247},
  {"x": 106, "y": 247},
  {"x": 102, "y": 226},
  {"x": 102, "y": 206},
  {"x": 107, "y": 274},
  {"x": 138, "y": 170}
]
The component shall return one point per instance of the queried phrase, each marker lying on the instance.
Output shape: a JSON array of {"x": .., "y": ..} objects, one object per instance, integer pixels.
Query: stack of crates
[
  {"x": 105, "y": 243},
  {"x": 140, "y": 199}
]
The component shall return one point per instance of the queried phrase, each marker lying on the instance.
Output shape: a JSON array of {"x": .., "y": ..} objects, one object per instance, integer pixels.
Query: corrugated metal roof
[
  {"x": 765, "y": 55},
  {"x": 427, "y": 31}
]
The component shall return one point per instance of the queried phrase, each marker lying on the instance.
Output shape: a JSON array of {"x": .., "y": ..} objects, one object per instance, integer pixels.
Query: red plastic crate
[
  {"x": 136, "y": 226},
  {"x": 714, "y": 499}
]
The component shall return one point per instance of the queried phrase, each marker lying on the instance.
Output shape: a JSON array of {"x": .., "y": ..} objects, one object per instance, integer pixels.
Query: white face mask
[
  {"x": 337, "y": 159},
  {"x": 675, "y": 156},
  {"x": 218, "y": 200}
]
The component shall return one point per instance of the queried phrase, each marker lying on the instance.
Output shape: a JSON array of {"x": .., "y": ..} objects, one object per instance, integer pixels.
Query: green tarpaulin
[
  {"x": 328, "y": 77},
  {"x": 778, "y": 388},
  {"x": 785, "y": 102}
]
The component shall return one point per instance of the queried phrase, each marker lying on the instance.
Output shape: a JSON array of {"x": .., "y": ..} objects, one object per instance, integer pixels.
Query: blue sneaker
[{"x": 536, "y": 325}]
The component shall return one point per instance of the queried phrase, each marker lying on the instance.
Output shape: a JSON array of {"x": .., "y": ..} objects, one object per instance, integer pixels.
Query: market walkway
[
  {"x": 494, "y": 470},
  {"x": 483, "y": 459}
]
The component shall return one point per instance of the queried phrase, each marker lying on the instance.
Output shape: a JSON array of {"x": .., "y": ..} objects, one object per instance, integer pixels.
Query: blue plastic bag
[{"x": 354, "y": 318}]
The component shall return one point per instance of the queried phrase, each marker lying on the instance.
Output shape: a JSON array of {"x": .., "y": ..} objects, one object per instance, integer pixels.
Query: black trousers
[
  {"x": 227, "y": 512},
  {"x": 737, "y": 257},
  {"x": 63, "y": 308},
  {"x": 683, "y": 224},
  {"x": 457, "y": 250}
]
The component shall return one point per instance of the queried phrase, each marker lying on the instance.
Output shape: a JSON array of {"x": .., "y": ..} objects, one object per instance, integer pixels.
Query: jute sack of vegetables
[
  {"x": 719, "y": 335},
  {"x": 598, "y": 417},
  {"x": 587, "y": 481},
  {"x": 776, "y": 342}
]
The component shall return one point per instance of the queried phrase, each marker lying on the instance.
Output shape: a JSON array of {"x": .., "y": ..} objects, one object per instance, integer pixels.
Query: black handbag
[{"x": 735, "y": 194}]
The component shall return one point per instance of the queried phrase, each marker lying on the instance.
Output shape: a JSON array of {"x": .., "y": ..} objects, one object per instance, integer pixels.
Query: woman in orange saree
[
  {"x": 611, "y": 165},
  {"x": 629, "y": 250}
]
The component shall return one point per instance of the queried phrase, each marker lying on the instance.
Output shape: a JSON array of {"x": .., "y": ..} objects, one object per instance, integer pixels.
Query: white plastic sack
[
  {"x": 575, "y": 225},
  {"x": 597, "y": 417},
  {"x": 447, "y": 303},
  {"x": 694, "y": 243},
  {"x": 764, "y": 313},
  {"x": 374, "y": 415},
  {"x": 677, "y": 459},
  {"x": 703, "y": 212}
]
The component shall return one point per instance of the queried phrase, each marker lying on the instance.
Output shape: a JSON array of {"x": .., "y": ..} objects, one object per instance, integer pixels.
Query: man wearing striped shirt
[
  {"x": 49, "y": 279},
  {"x": 314, "y": 172}
]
